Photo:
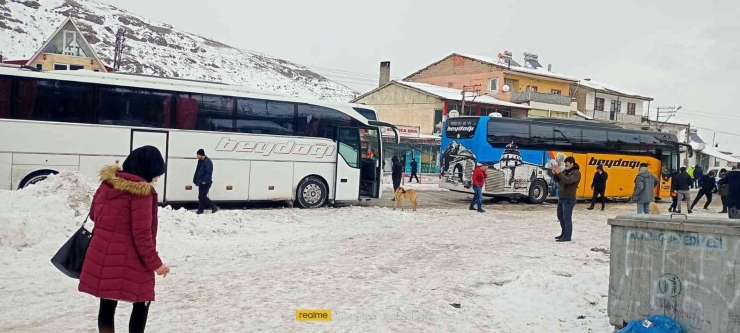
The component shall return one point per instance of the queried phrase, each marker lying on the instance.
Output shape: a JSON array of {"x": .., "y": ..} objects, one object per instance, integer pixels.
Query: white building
[{"x": 608, "y": 103}]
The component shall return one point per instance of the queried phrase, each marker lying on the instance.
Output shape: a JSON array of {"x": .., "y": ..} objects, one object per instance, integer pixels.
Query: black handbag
[{"x": 70, "y": 257}]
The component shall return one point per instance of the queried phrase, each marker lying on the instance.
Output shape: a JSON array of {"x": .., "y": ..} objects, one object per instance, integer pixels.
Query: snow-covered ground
[
  {"x": 376, "y": 269},
  {"x": 429, "y": 183}
]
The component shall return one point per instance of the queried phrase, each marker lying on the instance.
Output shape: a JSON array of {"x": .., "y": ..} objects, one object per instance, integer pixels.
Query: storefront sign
[{"x": 404, "y": 131}]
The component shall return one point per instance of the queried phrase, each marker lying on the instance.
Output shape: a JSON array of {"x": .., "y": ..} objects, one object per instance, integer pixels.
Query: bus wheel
[
  {"x": 537, "y": 192},
  {"x": 312, "y": 193},
  {"x": 36, "y": 177}
]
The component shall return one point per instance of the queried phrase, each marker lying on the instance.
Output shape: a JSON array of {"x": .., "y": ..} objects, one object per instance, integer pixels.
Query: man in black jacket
[
  {"x": 732, "y": 180},
  {"x": 414, "y": 170},
  {"x": 681, "y": 184},
  {"x": 599, "y": 186},
  {"x": 203, "y": 178},
  {"x": 396, "y": 173},
  {"x": 707, "y": 183},
  {"x": 698, "y": 174}
]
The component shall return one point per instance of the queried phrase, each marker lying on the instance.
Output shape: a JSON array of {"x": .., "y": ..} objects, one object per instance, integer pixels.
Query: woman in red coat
[{"x": 122, "y": 258}]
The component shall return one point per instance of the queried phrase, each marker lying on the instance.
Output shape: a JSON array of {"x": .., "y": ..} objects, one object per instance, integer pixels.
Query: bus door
[
  {"x": 158, "y": 139},
  {"x": 347, "y": 168},
  {"x": 371, "y": 165}
]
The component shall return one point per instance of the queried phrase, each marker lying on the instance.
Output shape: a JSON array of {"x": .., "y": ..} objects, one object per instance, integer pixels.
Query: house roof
[
  {"x": 56, "y": 32},
  {"x": 512, "y": 69},
  {"x": 610, "y": 89},
  {"x": 446, "y": 94},
  {"x": 714, "y": 152}
]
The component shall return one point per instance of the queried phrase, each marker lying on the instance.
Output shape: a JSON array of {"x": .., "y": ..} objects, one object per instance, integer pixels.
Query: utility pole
[{"x": 475, "y": 89}]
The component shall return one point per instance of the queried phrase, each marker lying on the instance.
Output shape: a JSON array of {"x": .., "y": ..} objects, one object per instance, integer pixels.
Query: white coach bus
[{"x": 264, "y": 146}]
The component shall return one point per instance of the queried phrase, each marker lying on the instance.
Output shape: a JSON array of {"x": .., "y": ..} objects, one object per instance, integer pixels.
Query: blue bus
[{"x": 521, "y": 153}]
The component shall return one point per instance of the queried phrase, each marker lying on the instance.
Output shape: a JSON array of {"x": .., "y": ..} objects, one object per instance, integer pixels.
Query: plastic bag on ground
[{"x": 653, "y": 324}]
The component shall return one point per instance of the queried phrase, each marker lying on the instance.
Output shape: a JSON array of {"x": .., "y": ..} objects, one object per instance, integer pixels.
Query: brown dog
[
  {"x": 403, "y": 194},
  {"x": 654, "y": 209}
]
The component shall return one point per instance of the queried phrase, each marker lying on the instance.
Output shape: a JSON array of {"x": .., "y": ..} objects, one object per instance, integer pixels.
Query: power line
[{"x": 716, "y": 131}]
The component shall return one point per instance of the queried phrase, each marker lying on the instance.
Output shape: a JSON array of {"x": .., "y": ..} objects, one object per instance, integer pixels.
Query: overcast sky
[{"x": 679, "y": 52}]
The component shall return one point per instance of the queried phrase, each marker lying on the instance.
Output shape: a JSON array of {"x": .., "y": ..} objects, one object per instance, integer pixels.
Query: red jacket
[
  {"x": 479, "y": 177},
  {"x": 122, "y": 256}
]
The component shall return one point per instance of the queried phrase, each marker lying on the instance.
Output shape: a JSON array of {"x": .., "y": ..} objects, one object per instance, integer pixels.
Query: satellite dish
[
  {"x": 453, "y": 114},
  {"x": 506, "y": 88},
  {"x": 495, "y": 115}
]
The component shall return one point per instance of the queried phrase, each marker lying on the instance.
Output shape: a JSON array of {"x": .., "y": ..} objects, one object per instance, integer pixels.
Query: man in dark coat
[
  {"x": 698, "y": 174},
  {"x": 599, "y": 186},
  {"x": 396, "y": 173},
  {"x": 568, "y": 180},
  {"x": 732, "y": 180},
  {"x": 203, "y": 178},
  {"x": 707, "y": 183},
  {"x": 414, "y": 170},
  {"x": 682, "y": 185}
]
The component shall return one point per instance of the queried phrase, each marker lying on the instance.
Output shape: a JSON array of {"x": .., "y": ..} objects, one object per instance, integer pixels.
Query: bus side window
[
  {"x": 53, "y": 100},
  {"x": 317, "y": 121},
  {"x": 5, "y": 86},
  {"x": 134, "y": 107},
  {"x": 216, "y": 113}
]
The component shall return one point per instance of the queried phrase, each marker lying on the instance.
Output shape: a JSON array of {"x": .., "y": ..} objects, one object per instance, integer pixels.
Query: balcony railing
[
  {"x": 614, "y": 116},
  {"x": 531, "y": 96}
]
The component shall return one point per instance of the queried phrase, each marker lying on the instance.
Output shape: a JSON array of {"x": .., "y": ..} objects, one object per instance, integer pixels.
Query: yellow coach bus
[{"x": 520, "y": 154}]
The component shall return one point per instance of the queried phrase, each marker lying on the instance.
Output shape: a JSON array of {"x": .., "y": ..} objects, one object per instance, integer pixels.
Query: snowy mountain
[{"x": 157, "y": 48}]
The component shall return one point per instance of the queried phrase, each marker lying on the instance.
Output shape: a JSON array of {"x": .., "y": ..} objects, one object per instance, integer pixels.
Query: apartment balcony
[
  {"x": 531, "y": 96},
  {"x": 614, "y": 116}
]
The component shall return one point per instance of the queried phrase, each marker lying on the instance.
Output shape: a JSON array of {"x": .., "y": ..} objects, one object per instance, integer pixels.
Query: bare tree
[{"x": 119, "y": 48}]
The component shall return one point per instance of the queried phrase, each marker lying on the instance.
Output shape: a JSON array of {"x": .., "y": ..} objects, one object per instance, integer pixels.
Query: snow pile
[
  {"x": 428, "y": 184},
  {"x": 157, "y": 48},
  {"x": 51, "y": 209}
]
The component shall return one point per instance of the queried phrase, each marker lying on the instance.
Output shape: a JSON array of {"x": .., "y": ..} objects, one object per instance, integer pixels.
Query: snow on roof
[
  {"x": 525, "y": 70},
  {"x": 456, "y": 94},
  {"x": 714, "y": 152},
  {"x": 611, "y": 89},
  {"x": 583, "y": 115}
]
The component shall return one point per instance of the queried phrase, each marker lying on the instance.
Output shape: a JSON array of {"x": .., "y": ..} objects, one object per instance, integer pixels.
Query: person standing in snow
[
  {"x": 479, "y": 180},
  {"x": 396, "y": 173},
  {"x": 707, "y": 183},
  {"x": 697, "y": 175},
  {"x": 732, "y": 180},
  {"x": 414, "y": 170},
  {"x": 682, "y": 183},
  {"x": 599, "y": 186},
  {"x": 203, "y": 178},
  {"x": 722, "y": 190},
  {"x": 568, "y": 180},
  {"x": 645, "y": 182},
  {"x": 122, "y": 257}
]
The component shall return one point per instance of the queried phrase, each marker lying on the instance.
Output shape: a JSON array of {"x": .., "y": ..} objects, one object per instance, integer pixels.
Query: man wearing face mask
[{"x": 568, "y": 180}]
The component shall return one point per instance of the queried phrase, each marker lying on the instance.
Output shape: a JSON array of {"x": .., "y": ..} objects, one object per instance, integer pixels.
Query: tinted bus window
[
  {"x": 53, "y": 100},
  {"x": 187, "y": 111},
  {"x": 566, "y": 136},
  {"x": 134, "y": 107},
  {"x": 506, "y": 132},
  {"x": 367, "y": 113},
  {"x": 317, "y": 121},
  {"x": 263, "y": 117},
  {"x": 594, "y": 139},
  {"x": 5, "y": 86},
  {"x": 541, "y": 134},
  {"x": 215, "y": 113}
]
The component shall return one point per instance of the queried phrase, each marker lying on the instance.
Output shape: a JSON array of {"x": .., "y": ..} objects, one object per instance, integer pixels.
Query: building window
[
  {"x": 631, "y": 108},
  {"x": 599, "y": 104},
  {"x": 532, "y": 88},
  {"x": 96, "y": 70},
  {"x": 616, "y": 106},
  {"x": 40, "y": 67},
  {"x": 555, "y": 92},
  {"x": 438, "y": 121},
  {"x": 493, "y": 85},
  {"x": 66, "y": 67}
]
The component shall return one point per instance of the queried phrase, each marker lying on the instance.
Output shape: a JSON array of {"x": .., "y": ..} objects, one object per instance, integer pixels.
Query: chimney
[
  {"x": 385, "y": 73},
  {"x": 549, "y": 67}
]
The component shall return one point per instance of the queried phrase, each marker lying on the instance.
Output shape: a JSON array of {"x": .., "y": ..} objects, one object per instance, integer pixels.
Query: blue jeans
[
  {"x": 477, "y": 197},
  {"x": 643, "y": 208},
  {"x": 565, "y": 216}
]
